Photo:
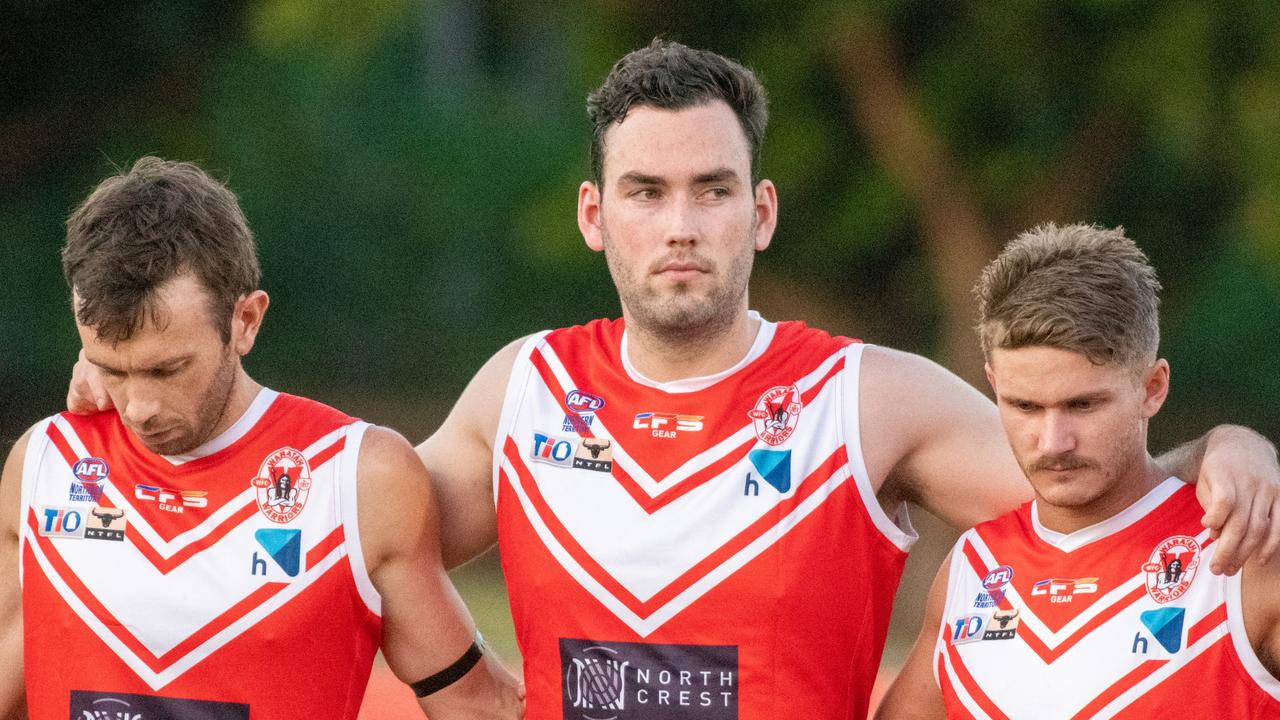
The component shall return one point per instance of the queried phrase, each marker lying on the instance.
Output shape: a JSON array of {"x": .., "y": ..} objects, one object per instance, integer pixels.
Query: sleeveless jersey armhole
[
  {"x": 897, "y": 529},
  {"x": 37, "y": 445},
  {"x": 955, "y": 582},
  {"x": 349, "y": 516},
  {"x": 511, "y": 400},
  {"x": 1240, "y": 640}
]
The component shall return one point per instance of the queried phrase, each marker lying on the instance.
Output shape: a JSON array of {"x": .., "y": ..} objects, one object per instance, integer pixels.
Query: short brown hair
[
  {"x": 1081, "y": 288},
  {"x": 672, "y": 76},
  {"x": 146, "y": 225}
]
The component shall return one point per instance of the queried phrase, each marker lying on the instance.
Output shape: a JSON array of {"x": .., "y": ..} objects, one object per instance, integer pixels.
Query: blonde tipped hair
[{"x": 1081, "y": 288}]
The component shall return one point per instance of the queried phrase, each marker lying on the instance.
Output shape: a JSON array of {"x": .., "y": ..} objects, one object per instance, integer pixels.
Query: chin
[{"x": 1067, "y": 491}]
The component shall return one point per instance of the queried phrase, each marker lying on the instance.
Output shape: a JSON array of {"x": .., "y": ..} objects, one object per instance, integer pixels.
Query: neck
[
  {"x": 665, "y": 356},
  {"x": 243, "y": 391},
  {"x": 1125, "y": 491}
]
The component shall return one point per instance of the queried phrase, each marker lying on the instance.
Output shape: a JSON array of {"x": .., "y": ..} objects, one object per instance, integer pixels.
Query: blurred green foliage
[{"x": 411, "y": 169}]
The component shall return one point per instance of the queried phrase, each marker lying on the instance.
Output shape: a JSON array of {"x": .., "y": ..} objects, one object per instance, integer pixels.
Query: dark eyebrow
[
  {"x": 638, "y": 178},
  {"x": 723, "y": 174},
  {"x": 167, "y": 364}
]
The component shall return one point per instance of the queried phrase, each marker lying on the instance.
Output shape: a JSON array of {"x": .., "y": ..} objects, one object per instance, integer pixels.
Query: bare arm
[
  {"x": 1238, "y": 483},
  {"x": 459, "y": 458},
  {"x": 426, "y": 627},
  {"x": 1260, "y": 602},
  {"x": 914, "y": 695},
  {"x": 931, "y": 438},
  {"x": 13, "y": 699}
]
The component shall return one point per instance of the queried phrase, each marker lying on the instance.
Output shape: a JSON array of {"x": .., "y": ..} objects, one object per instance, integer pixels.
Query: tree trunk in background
[{"x": 959, "y": 238}]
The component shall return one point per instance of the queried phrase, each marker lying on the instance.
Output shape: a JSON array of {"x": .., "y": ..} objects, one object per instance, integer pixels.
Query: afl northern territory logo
[
  {"x": 776, "y": 414},
  {"x": 282, "y": 485},
  {"x": 1172, "y": 567}
]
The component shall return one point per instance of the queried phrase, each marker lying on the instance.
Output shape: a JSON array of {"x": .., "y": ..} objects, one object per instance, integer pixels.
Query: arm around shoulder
[
  {"x": 12, "y": 690},
  {"x": 931, "y": 438},
  {"x": 426, "y": 627},
  {"x": 1260, "y": 603},
  {"x": 459, "y": 458}
]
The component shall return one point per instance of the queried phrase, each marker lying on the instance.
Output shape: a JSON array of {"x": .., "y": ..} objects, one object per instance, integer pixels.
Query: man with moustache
[
  {"x": 1093, "y": 600},
  {"x": 701, "y": 513}
]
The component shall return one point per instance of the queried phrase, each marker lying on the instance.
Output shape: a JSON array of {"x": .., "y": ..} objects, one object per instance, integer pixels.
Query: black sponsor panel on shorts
[
  {"x": 91, "y": 705},
  {"x": 633, "y": 681}
]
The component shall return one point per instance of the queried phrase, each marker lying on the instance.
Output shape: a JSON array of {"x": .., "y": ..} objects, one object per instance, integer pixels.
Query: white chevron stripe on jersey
[
  {"x": 961, "y": 689},
  {"x": 651, "y": 534},
  {"x": 168, "y": 548},
  {"x": 1179, "y": 661},
  {"x": 694, "y": 464},
  {"x": 1052, "y": 639},
  {"x": 157, "y": 679}
]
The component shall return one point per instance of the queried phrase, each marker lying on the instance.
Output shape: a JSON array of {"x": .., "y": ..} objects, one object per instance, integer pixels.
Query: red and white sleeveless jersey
[
  {"x": 1120, "y": 619},
  {"x": 707, "y": 548},
  {"x": 225, "y": 584}
]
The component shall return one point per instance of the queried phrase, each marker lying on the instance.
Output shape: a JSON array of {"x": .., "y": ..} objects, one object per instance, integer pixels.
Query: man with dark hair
[
  {"x": 734, "y": 550},
  {"x": 240, "y": 529},
  {"x": 1103, "y": 572},
  {"x": 738, "y": 555}
]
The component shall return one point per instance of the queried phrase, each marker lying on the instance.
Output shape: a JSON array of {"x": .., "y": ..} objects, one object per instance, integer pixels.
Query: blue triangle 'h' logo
[
  {"x": 1165, "y": 625},
  {"x": 284, "y": 546},
  {"x": 774, "y": 466}
]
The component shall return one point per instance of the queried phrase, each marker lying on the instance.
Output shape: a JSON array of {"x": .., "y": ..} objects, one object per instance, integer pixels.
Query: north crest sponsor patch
[
  {"x": 92, "y": 705},
  {"x": 282, "y": 485},
  {"x": 604, "y": 680},
  {"x": 1172, "y": 567}
]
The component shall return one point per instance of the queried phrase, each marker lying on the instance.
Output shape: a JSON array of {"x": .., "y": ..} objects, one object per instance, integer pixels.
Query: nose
[
  {"x": 682, "y": 223},
  {"x": 136, "y": 408},
  {"x": 1057, "y": 434}
]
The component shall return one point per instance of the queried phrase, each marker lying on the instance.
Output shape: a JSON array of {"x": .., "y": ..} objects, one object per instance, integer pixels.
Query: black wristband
[{"x": 449, "y": 675}]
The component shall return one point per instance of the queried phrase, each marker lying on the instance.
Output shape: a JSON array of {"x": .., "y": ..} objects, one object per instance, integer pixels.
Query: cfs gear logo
[
  {"x": 91, "y": 474},
  {"x": 1064, "y": 590},
  {"x": 594, "y": 454},
  {"x": 634, "y": 681},
  {"x": 582, "y": 408},
  {"x": 1172, "y": 567},
  {"x": 174, "y": 501},
  {"x": 776, "y": 414},
  {"x": 667, "y": 425},
  {"x": 282, "y": 485},
  {"x": 552, "y": 450}
]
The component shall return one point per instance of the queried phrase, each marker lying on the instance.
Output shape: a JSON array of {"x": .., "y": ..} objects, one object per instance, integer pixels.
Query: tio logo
[
  {"x": 967, "y": 629},
  {"x": 552, "y": 449},
  {"x": 61, "y": 522}
]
